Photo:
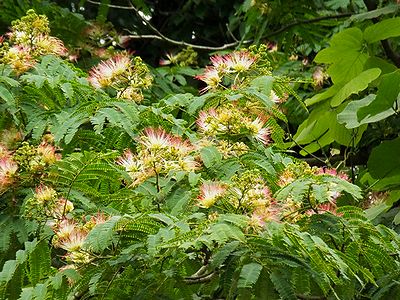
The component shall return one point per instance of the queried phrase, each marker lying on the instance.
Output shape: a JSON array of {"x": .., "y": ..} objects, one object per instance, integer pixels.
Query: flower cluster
[
  {"x": 26, "y": 163},
  {"x": 227, "y": 68},
  {"x": 70, "y": 236},
  {"x": 249, "y": 194},
  {"x": 36, "y": 159},
  {"x": 246, "y": 193},
  {"x": 46, "y": 204},
  {"x": 226, "y": 125},
  {"x": 126, "y": 76},
  {"x": 303, "y": 170},
  {"x": 158, "y": 153},
  {"x": 28, "y": 39}
]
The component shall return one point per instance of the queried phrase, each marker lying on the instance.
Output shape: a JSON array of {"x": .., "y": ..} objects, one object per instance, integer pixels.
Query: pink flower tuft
[{"x": 210, "y": 193}]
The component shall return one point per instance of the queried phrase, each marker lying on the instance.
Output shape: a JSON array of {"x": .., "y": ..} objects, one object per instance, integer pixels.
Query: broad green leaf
[
  {"x": 384, "y": 160},
  {"x": 249, "y": 275},
  {"x": 376, "y": 210},
  {"x": 348, "y": 116},
  {"x": 345, "y": 55},
  {"x": 331, "y": 91},
  {"x": 350, "y": 66},
  {"x": 348, "y": 39},
  {"x": 316, "y": 125},
  {"x": 355, "y": 85},
  {"x": 382, "y": 30},
  {"x": 388, "y": 92},
  {"x": 323, "y": 141},
  {"x": 377, "y": 62}
]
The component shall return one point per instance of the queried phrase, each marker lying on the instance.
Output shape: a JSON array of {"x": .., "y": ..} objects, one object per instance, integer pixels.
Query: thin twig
[{"x": 159, "y": 36}]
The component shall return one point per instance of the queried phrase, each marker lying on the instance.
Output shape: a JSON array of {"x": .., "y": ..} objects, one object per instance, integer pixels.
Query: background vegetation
[{"x": 199, "y": 149}]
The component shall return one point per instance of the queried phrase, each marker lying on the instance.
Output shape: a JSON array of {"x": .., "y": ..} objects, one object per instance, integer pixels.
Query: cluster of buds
[
  {"x": 226, "y": 69},
  {"x": 158, "y": 153},
  {"x": 70, "y": 236},
  {"x": 46, "y": 204},
  {"x": 36, "y": 159},
  {"x": 128, "y": 77},
  {"x": 28, "y": 40},
  {"x": 184, "y": 58}
]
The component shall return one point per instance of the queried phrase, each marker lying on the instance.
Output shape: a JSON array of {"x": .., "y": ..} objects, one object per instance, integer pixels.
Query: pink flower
[
  {"x": 4, "y": 153},
  {"x": 50, "y": 45},
  {"x": 48, "y": 153},
  {"x": 203, "y": 122},
  {"x": 8, "y": 168},
  {"x": 210, "y": 193},
  {"x": 211, "y": 77},
  {"x": 219, "y": 63},
  {"x": 103, "y": 74},
  {"x": 264, "y": 214},
  {"x": 239, "y": 61},
  {"x": 260, "y": 132},
  {"x": 70, "y": 236},
  {"x": 130, "y": 162},
  {"x": 45, "y": 194},
  {"x": 332, "y": 172},
  {"x": 329, "y": 206},
  {"x": 156, "y": 138}
]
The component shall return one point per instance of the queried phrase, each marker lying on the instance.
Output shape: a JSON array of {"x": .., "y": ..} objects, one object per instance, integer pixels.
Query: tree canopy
[{"x": 199, "y": 149}]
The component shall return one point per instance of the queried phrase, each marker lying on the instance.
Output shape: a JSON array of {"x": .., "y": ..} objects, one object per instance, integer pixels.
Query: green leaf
[
  {"x": 345, "y": 55},
  {"x": 388, "y": 92},
  {"x": 101, "y": 236},
  {"x": 210, "y": 156},
  {"x": 390, "y": 8},
  {"x": 355, "y": 85},
  {"x": 348, "y": 116},
  {"x": 249, "y": 275},
  {"x": 382, "y": 30},
  {"x": 6, "y": 95},
  {"x": 263, "y": 83},
  {"x": 384, "y": 160},
  {"x": 222, "y": 254},
  {"x": 284, "y": 288},
  {"x": 331, "y": 91}
]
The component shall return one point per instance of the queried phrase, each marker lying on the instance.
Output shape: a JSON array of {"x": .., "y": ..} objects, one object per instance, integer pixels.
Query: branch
[
  {"x": 159, "y": 36},
  {"x": 302, "y": 22}
]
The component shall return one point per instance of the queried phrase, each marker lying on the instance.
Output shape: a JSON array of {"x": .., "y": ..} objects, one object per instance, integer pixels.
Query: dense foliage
[{"x": 127, "y": 172}]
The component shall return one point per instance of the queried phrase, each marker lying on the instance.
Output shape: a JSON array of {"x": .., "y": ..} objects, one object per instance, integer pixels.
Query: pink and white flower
[
  {"x": 156, "y": 138},
  {"x": 103, "y": 74},
  {"x": 260, "y": 132},
  {"x": 8, "y": 169},
  {"x": 239, "y": 61},
  {"x": 211, "y": 77},
  {"x": 210, "y": 193},
  {"x": 45, "y": 194}
]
